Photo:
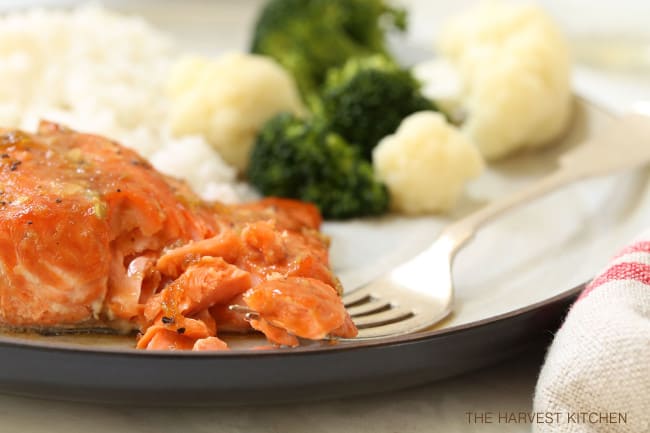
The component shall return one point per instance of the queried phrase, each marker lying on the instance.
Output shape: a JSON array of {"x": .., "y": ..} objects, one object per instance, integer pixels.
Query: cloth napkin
[{"x": 596, "y": 377}]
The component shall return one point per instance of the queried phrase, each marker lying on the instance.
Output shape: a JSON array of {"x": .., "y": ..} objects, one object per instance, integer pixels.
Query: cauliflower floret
[
  {"x": 229, "y": 99},
  {"x": 515, "y": 71},
  {"x": 426, "y": 163}
]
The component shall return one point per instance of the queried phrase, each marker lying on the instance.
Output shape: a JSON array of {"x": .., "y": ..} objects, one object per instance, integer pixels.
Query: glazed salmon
[
  {"x": 76, "y": 210},
  {"x": 91, "y": 236}
]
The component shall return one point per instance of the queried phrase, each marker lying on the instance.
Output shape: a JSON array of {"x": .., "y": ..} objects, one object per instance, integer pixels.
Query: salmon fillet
[
  {"x": 91, "y": 236},
  {"x": 75, "y": 210}
]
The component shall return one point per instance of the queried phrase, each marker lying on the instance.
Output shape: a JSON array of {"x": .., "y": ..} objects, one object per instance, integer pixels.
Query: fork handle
[
  {"x": 583, "y": 162},
  {"x": 595, "y": 157},
  {"x": 464, "y": 229}
]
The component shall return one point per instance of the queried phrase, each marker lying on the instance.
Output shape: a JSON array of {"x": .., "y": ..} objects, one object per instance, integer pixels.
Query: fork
[{"x": 420, "y": 292}]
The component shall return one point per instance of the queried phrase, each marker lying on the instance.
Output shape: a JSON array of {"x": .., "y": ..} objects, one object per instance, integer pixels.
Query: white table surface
[{"x": 438, "y": 407}]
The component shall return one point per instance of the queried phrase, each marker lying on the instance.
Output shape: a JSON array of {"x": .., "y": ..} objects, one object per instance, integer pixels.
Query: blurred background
[{"x": 610, "y": 40}]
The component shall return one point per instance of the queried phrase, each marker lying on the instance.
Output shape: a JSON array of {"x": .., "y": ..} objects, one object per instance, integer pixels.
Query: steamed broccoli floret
[
  {"x": 310, "y": 36},
  {"x": 367, "y": 98},
  {"x": 302, "y": 159}
]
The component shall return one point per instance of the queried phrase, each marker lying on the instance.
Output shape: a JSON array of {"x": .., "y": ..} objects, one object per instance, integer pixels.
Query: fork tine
[
  {"x": 356, "y": 297},
  {"x": 409, "y": 325},
  {"x": 372, "y": 306},
  {"x": 241, "y": 309},
  {"x": 384, "y": 318}
]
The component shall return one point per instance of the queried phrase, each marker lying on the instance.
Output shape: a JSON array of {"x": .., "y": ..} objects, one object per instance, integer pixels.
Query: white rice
[{"x": 101, "y": 72}]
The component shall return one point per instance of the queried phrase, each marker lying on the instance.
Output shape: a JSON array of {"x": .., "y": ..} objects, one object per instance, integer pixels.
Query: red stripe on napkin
[
  {"x": 642, "y": 246},
  {"x": 622, "y": 271}
]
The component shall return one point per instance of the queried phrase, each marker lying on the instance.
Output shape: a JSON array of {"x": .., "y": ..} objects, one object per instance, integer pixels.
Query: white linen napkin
[{"x": 596, "y": 376}]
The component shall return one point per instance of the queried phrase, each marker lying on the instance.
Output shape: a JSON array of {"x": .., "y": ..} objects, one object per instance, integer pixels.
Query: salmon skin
[{"x": 93, "y": 237}]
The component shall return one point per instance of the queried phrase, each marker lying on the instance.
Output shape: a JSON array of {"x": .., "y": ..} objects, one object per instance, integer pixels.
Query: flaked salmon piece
[
  {"x": 313, "y": 266},
  {"x": 304, "y": 307},
  {"x": 262, "y": 238},
  {"x": 158, "y": 337},
  {"x": 347, "y": 330},
  {"x": 275, "y": 334},
  {"x": 288, "y": 214},
  {"x": 226, "y": 244},
  {"x": 130, "y": 288},
  {"x": 228, "y": 320},
  {"x": 205, "y": 317},
  {"x": 209, "y": 344},
  {"x": 182, "y": 331},
  {"x": 209, "y": 281},
  {"x": 192, "y": 328}
]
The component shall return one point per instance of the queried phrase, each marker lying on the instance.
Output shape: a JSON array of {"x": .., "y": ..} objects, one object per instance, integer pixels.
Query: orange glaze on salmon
[{"x": 91, "y": 236}]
